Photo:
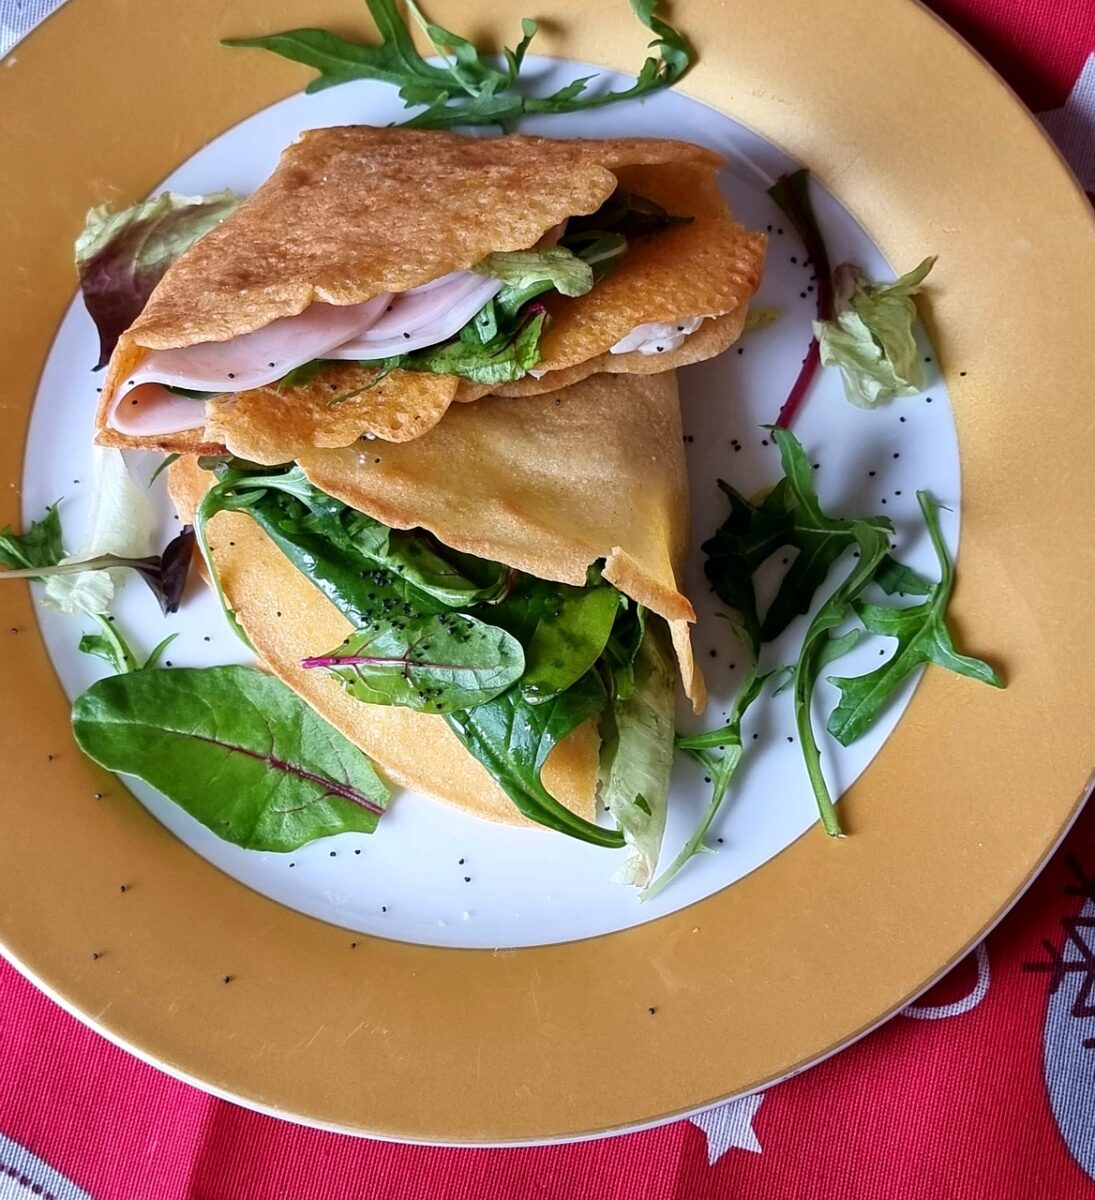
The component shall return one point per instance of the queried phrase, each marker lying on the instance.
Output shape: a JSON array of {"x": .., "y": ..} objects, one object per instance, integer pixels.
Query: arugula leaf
[
  {"x": 790, "y": 515},
  {"x": 513, "y": 738},
  {"x": 557, "y": 267},
  {"x": 109, "y": 645},
  {"x": 503, "y": 359},
  {"x": 438, "y": 663},
  {"x": 922, "y": 637},
  {"x": 870, "y": 338},
  {"x": 873, "y": 543},
  {"x": 572, "y": 629},
  {"x": 235, "y": 748},
  {"x": 40, "y": 546},
  {"x": 121, "y": 256},
  {"x": 468, "y": 89},
  {"x": 637, "y": 759},
  {"x": 895, "y": 578},
  {"x": 719, "y": 752}
]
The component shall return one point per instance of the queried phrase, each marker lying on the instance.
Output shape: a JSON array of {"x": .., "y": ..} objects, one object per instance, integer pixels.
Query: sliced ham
[{"x": 424, "y": 316}]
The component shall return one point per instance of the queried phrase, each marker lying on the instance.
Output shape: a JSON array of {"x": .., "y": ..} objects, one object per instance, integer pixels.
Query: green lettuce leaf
[
  {"x": 121, "y": 256},
  {"x": 637, "y": 760},
  {"x": 871, "y": 337},
  {"x": 556, "y": 266},
  {"x": 40, "y": 546}
]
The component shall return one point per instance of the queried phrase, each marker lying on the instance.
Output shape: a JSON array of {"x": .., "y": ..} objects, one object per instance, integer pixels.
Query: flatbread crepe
[
  {"x": 548, "y": 485},
  {"x": 384, "y": 247}
]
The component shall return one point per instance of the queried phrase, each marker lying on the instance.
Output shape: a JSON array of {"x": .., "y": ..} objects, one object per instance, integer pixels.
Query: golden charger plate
[{"x": 928, "y": 150}]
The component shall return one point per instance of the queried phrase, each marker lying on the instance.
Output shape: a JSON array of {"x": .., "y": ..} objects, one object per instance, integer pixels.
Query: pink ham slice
[
  {"x": 144, "y": 407},
  {"x": 423, "y": 316}
]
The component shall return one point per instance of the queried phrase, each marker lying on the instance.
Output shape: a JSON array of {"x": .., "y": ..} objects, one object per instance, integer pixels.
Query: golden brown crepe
[
  {"x": 546, "y": 484},
  {"x": 354, "y": 212}
]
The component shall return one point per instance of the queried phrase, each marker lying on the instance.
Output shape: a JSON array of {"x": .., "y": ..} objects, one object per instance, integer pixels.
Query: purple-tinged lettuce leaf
[{"x": 121, "y": 256}]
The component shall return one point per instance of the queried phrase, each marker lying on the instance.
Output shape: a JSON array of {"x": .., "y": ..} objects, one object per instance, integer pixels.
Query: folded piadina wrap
[
  {"x": 380, "y": 274},
  {"x": 577, "y": 498}
]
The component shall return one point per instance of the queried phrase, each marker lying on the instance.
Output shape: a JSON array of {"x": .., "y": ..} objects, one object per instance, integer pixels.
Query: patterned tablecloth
[{"x": 983, "y": 1089}]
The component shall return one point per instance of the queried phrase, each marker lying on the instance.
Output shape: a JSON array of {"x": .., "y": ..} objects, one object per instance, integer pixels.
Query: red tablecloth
[{"x": 984, "y": 1089}]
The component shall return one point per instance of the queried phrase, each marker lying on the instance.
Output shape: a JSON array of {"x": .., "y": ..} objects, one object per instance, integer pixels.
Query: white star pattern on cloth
[
  {"x": 730, "y": 1125},
  {"x": 1073, "y": 127}
]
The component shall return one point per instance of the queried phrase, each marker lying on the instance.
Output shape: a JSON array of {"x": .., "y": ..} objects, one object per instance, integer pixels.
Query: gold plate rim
[{"x": 951, "y": 821}]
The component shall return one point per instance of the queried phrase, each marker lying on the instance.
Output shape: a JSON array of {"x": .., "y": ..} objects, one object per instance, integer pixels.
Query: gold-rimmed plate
[{"x": 798, "y": 957}]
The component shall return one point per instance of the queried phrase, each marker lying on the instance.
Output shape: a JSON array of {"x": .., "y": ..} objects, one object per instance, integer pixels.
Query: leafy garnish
[
  {"x": 40, "y": 546},
  {"x": 438, "y": 663},
  {"x": 870, "y": 337},
  {"x": 235, "y": 748},
  {"x": 818, "y": 649},
  {"x": 790, "y": 515},
  {"x": 556, "y": 266},
  {"x": 506, "y": 356},
  {"x": 761, "y": 318},
  {"x": 109, "y": 645},
  {"x": 922, "y": 637},
  {"x": 719, "y": 752},
  {"x": 121, "y": 256},
  {"x": 637, "y": 759},
  {"x": 513, "y": 738},
  {"x": 469, "y": 89},
  {"x": 572, "y": 627}
]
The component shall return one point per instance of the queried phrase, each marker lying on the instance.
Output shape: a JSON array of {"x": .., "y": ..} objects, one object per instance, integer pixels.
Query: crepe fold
[
  {"x": 352, "y": 213},
  {"x": 546, "y": 484}
]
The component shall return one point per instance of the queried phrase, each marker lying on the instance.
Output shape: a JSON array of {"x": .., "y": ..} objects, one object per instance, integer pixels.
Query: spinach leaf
[
  {"x": 790, "y": 515},
  {"x": 922, "y": 637},
  {"x": 237, "y": 749},
  {"x": 513, "y": 738},
  {"x": 637, "y": 759},
  {"x": 572, "y": 629},
  {"x": 468, "y": 89},
  {"x": 817, "y": 650},
  {"x": 40, "y": 546},
  {"x": 438, "y": 663}
]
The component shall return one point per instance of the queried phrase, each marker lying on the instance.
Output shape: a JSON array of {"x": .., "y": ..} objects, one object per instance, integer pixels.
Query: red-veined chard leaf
[{"x": 235, "y": 748}]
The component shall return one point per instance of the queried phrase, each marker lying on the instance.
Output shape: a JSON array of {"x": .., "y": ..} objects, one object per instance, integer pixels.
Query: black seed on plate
[
  {"x": 794, "y": 258},
  {"x": 927, "y": 358},
  {"x": 764, "y": 441},
  {"x": 898, "y": 492},
  {"x": 467, "y": 879},
  {"x": 292, "y": 864},
  {"x": 168, "y": 663},
  {"x": 902, "y": 420},
  {"x": 334, "y": 854},
  {"x": 896, "y": 454},
  {"x": 707, "y": 779},
  {"x": 271, "y": 364},
  {"x": 741, "y": 349},
  {"x": 230, "y": 375},
  {"x": 228, "y": 979},
  {"x": 357, "y": 851},
  {"x": 769, "y": 228},
  {"x": 383, "y": 908},
  {"x": 460, "y": 862},
  {"x": 755, "y": 736},
  {"x": 94, "y": 955},
  {"x": 407, "y": 336},
  {"x": 121, "y": 887},
  {"x": 651, "y": 1011},
  {"x": 353, "y": 945},
  {"x": 962, "y": 373},
  {"x": 719, "y": 840},
  {"x": 927, "y": 399},
  {"x": 780, "y": 232},
  {"x": 789, "y": 738},
  {"x": 872, "y": 473},
  {"x": 883, "y": 499},
  {"x": 817, "y": 466},
  {"x": 881, "y": 652}
]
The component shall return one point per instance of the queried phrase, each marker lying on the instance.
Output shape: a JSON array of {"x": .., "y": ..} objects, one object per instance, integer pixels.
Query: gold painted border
[{"x": 932, "y": 153}]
